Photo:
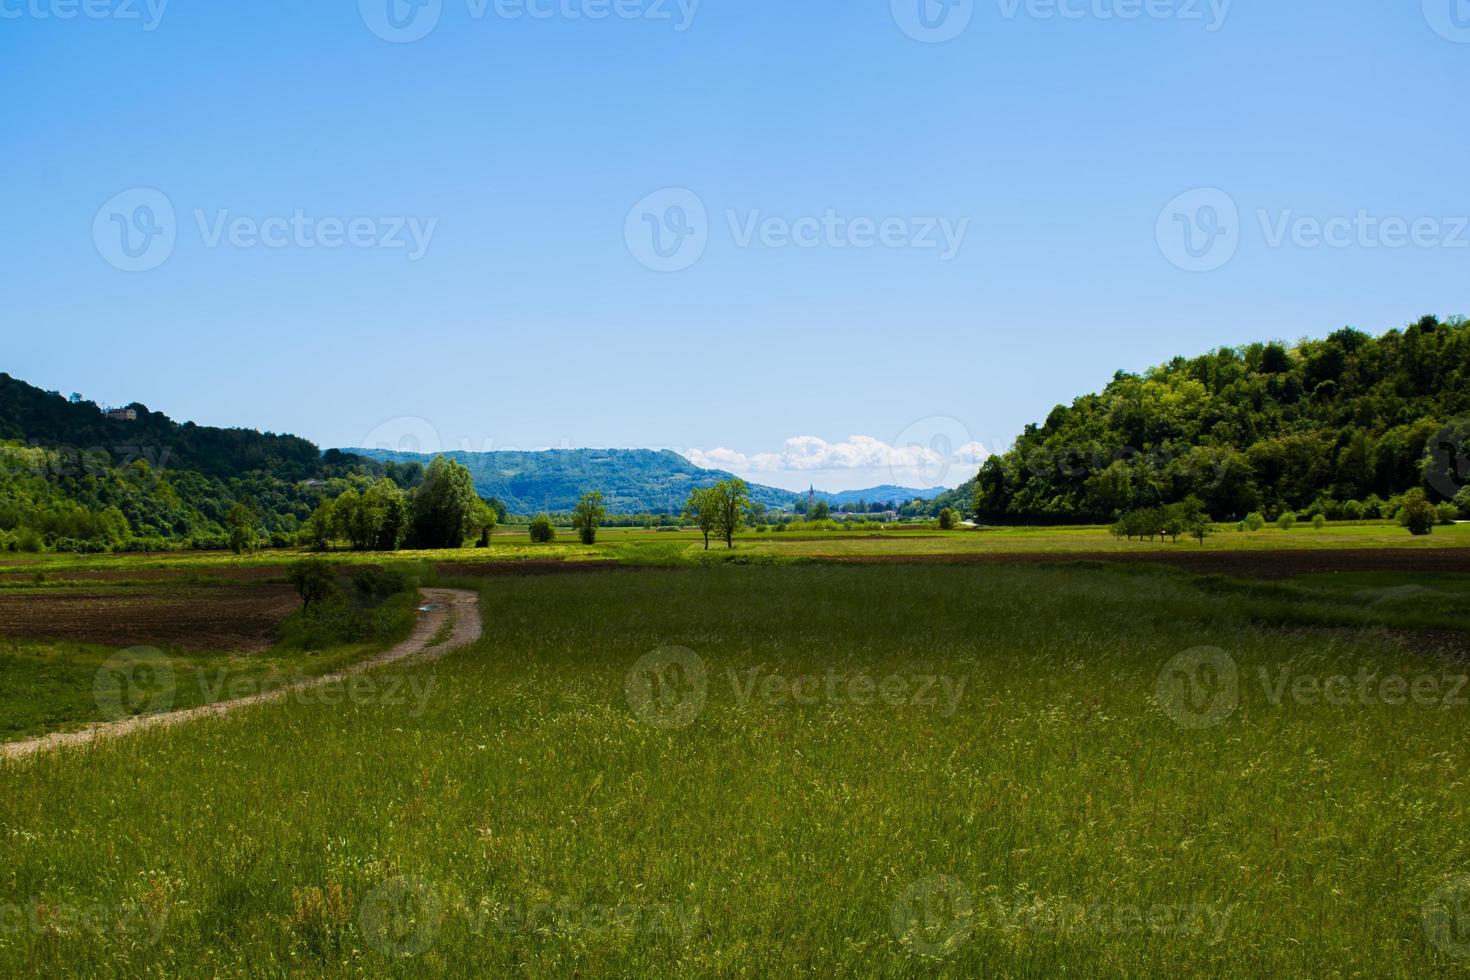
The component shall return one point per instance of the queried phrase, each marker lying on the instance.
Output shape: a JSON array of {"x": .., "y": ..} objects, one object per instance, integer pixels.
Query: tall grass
[{"x": 545, "y": 814}]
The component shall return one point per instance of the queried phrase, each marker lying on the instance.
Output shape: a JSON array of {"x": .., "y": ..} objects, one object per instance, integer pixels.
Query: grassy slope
[{"x": 775, "y": 838}]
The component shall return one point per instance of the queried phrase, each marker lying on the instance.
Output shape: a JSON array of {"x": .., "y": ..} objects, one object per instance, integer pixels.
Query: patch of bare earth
[{"x": 233, "y": 617}]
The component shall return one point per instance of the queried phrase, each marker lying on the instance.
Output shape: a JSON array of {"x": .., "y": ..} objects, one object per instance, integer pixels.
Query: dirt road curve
[{"x": 461, "y": 608}]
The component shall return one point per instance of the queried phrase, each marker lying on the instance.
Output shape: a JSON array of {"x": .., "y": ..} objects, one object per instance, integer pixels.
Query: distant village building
[{"x": 123, "y": 414}]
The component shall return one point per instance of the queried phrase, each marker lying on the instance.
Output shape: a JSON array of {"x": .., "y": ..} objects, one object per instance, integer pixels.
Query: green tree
[
  {"x": 730, "y": 498},
  {"x": 949, "y": 519},
  {"x": 241, "y": 524},
  {"x": 542, "y": 530},
  {"x": 1286, "y": 521},
  {"x": 315, "y": 580},
  {"x": 702, "y": 508},
  {"x": 443, "y": 505},
  {"x": 483, "y": 519},
  {"x": 820, "y": 511},
  {"x": 1417, "y": 513},
  {"x": 588, "y": 515},
  {"x": 1254, "y": 521}
]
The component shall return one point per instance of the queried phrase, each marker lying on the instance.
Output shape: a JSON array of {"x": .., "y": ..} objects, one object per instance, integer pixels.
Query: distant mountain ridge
[{"x": 632, "y": 481}]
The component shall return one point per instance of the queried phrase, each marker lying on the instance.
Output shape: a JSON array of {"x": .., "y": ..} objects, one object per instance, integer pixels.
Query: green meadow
[{"x": 806, "y": 768}]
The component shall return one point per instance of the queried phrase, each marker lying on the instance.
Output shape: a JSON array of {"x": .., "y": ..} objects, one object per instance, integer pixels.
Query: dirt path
[{"x": 458, "y": 608}]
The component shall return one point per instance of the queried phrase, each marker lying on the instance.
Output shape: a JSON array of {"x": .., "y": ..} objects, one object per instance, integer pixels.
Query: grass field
[
  {"x": 638, "y": 545},
  {"x": 875, "y": 770}
]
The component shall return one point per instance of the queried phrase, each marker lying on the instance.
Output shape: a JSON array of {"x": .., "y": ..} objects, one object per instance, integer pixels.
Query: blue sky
[{"x": 879, "y": 247}]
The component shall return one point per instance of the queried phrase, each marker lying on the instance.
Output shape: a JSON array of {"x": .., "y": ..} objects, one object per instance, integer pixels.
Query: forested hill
[
  {"x": 42, "y": 418},
  {"x": 632, "y": 481},
  {"x": 1341, "y": 423}
]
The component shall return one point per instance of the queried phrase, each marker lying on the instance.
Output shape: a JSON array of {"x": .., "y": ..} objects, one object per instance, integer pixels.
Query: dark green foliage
[
  {"x": 542, "y": 529},
  {"x": 376, "y": 584},
  {"x": 75, "y": 476},
  {"x": 588, "y": 515},
  {"x": 1264, "y": 427},
  {"x": 949, "y": 519},
  {"x": 1417, "y": 513},
  {"x": 315, "y": 580},
  {"x": 444, "y": 507}
]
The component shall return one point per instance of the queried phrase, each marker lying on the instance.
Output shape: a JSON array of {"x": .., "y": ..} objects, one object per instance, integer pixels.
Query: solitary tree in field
[
  {"x": 703, "y": 509},
  {"x": 482, "y": 519},
  {"x": 731, "y": 498},
  {"x": 241, "y": 522},
  {"x": 1417, "y": 513},
  {"x": 443, "y": 505},
  {"x": 949, "y": 519},
  {"x": 588, "y": 515},
  {"x": 542, "y": 530},
  {"x": 314, "y": 579}
]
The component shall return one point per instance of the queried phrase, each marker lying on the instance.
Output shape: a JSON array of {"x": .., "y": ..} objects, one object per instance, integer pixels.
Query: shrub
[
  {"x": 1462, "y": 501},
  {"x": 315, "y": 580},
  {"x": 1417, "y": 514},
  {"x": 948, "y": 519},
  {"x": 1286, "y": 521},
  {"x": 1319, "y": 521},
  {"x": 1448, "y": 513},
  {"x": 375, "y": 584},
  {"x": 1254, "y": 521},
  {"x": 542, "y": 530},
  {"x": 1352, "y": 511}
]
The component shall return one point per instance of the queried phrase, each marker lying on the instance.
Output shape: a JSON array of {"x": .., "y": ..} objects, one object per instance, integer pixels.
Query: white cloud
[{"x": 912, "y": 464}]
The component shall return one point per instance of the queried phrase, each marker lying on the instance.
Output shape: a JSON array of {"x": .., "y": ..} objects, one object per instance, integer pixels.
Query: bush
[
  {"x": 1254, "y": 521},
  {"x": 1417, "y": 514},
  {"x": 1448, "y": 513},
  {"x": 542, "y": 530},
  {"x": 375, "y": 585},
  {"x": 1462, "y": 501},
  {"x": 315, "y": 580},
  {"x": 1319, "y": 521},
  {"x": 1286, "y": 521},
  {"x": 1352, "y": 511}
]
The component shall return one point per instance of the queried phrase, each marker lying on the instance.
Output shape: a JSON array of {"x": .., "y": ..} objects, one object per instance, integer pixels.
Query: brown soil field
[
  {"x": 244, "y": 573},
  {"x": 233, "y": 618},
  {"x": 1238, "y": 564}
]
